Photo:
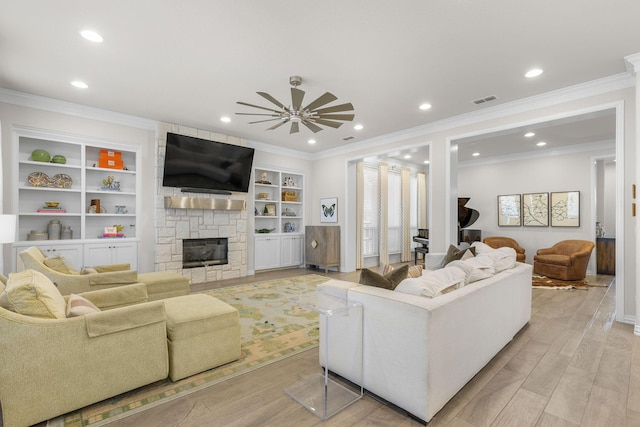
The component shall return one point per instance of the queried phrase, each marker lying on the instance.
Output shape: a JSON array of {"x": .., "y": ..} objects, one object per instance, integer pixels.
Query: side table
[{"x": 319, "y": 393}]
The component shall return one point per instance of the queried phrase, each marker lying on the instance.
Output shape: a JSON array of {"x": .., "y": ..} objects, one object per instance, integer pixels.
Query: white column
[{"x": 633, "y": 65}]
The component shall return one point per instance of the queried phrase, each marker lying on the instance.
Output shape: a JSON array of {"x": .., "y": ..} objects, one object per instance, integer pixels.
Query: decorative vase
[{"x": 53, "y": 229}]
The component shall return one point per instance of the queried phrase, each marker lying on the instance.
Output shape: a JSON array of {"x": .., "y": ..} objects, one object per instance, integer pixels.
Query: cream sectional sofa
[{"x": 418, "y": 352}]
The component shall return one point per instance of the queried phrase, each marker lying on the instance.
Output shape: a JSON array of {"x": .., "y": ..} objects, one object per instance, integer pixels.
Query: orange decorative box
[
  {"x": 110, "y": 163},
  {"x": 110, "y": 159},
  {"x": 110, "y": 154}
]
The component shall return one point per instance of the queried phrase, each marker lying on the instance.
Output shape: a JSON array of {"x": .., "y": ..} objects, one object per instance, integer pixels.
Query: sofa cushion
[
  {"x": 455, "y": 253},
  {"x": 433, "y": 283},
  {"x": 388, "y": 281},
  {"x": 57, "y": 264},
  {"x": 31, "y": 293},
  {"x": 476, "y": 268},
  {"x": 79, "y": 306}
]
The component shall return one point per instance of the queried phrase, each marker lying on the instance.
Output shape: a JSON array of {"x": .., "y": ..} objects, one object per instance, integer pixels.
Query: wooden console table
[{"x": 606, "y": 255}]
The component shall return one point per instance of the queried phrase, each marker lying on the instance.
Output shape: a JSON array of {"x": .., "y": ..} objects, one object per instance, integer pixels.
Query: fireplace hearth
[{"x": 204, "y": 252}]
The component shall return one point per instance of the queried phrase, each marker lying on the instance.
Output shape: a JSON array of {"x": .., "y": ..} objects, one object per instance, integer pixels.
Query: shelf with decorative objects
[
  {"x": 279, "y": 218},
  {"x": 62, "y": 178}
]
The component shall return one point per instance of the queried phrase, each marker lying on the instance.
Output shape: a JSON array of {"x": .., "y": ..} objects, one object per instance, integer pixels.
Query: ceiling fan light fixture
[{"x": 311, "y": 115}]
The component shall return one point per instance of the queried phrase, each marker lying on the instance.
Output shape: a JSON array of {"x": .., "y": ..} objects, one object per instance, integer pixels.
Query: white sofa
[{"x": 419, "y": 352}]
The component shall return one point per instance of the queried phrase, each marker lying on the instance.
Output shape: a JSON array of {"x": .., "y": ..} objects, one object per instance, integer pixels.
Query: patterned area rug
[
  {"x": 272, "y": 329},
  {"x": 542, "y": 282}
]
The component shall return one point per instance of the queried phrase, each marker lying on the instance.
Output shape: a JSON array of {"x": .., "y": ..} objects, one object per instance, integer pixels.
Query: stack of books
[
  {"x": 112, "y": 235},
  {"x": 46, "y": 209}
]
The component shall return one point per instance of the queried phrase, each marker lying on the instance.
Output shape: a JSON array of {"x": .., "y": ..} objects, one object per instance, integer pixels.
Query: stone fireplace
[{"x": 208, "y": 220}]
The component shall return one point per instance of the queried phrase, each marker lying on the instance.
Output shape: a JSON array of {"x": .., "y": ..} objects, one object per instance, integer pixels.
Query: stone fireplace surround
[{"x": 174, "y": 225}]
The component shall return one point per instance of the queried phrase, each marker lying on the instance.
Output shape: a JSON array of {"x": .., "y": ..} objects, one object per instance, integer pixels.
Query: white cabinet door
[
  {"x": 111, "y": 253},
  {"x": 291, "y": 250},
  {"x": 267, "y": 252},
  {"x": 72, "y": 254}
]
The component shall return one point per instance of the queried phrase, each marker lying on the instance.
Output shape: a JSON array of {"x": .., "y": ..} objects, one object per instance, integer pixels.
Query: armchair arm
[
  {"x": 119, "y": 296},
  {"x": 112, "y": 267},
  {"x": 123, "y": 277},
  {"x": 546, "y": 251}
]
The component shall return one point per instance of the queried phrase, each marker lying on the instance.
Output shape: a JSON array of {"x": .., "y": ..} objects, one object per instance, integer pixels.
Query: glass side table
[{"x": 319, "y": 393}]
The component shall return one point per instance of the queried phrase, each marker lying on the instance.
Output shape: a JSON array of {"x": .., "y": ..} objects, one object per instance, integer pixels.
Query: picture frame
[
  {"x": 535, "y": 209},
  {"x": 509, "y": 210},
  {"x": 329, "y": 209},
  {"x": 565, "y": 209},
  {"x": 270, "y": 209}
]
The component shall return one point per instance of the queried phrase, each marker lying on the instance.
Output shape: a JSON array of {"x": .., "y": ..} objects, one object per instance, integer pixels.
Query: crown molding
[
  {"x": 38, "y": 102},
  {"x": 571, "y": 93},
  {"x": 632, "y": 62}
]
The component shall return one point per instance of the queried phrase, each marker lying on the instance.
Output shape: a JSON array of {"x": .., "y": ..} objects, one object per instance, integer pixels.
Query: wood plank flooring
[{"x": 572, "y": 365}]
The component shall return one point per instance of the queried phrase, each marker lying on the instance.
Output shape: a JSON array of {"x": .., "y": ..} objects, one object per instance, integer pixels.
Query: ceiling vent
[
  {"x": 348, "y": 138},
  {"x": 485, "y": 99}
]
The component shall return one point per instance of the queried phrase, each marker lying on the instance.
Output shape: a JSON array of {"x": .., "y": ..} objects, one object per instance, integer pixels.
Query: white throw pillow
[
  {"x": 503, "y": 258},
  {"x": 79, "y": 306},
  {"x": 433, "y": 283}
]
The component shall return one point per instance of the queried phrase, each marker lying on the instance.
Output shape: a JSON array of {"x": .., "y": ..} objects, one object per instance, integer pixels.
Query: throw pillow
[
  {"x": 79, "y": 306},
  {"x": 385, "y": 269},
  {"x": 453, "y": 254},
  {"x": 88, "y": 270},
  {"x": 31, "y": 293},
  {"x": 433, "y": 283},
  {"x": 57, "y": 264},
  {"x": 415, "y": 271},
  {"x": 388, "y": 281}
]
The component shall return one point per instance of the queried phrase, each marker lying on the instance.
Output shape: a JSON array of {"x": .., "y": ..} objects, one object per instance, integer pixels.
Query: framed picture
[
  {"x": 535, "y": 210},
  {"x": 329, "y": 210},
  {"x": 509, "y": 214},
  {"x": 565, "y": 209},
  {"x": 270, "y": 209}
]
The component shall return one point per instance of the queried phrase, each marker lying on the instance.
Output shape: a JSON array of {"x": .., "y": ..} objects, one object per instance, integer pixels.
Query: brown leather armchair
[
  {"x": 566, "y": 260},
  {"x": 501, "y": 242}
]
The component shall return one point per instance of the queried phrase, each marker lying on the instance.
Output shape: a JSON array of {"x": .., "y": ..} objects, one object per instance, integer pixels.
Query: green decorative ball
[
  {"x": 40, "y": 155},
  {"x": 59, "y": 159}
]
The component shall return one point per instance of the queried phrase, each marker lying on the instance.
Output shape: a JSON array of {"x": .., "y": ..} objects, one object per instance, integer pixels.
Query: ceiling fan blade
[
  {"x": 296, "y": 98},
  {"x": 336, "y": 108},
  {"x": 328, "y": 123},
  {"x": 348, "y": 117},
  {"x": 257, "y": 106},
  {"x": 258, "y": 114},
  {"x": 295, "y": 128},
  {"x": 278, "y": 125},
  {"x": 324, "y": 99},
  {"x": 270, "y": 98},
  {"x": 262, "y": 121},
  {"x": 312, "y": 127}
]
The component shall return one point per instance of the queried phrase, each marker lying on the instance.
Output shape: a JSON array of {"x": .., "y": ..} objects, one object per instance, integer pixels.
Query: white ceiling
[{"x": 189, "y": 62}]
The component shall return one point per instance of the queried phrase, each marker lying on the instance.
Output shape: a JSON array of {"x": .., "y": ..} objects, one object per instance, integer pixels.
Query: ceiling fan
[{"x": 310, "y": 115}]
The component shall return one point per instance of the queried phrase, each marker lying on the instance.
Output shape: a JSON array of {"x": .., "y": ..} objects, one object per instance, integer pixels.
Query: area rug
[
  {"x": 542, "y": 282},
  {"x": 272, "y": 329}
]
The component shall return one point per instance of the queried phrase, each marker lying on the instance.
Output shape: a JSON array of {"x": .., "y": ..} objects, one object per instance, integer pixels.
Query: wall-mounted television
[{"x": 199, "y": 165}]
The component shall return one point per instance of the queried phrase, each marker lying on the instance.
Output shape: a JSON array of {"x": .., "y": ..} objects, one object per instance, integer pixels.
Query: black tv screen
[{"x": 200, "y": 164}]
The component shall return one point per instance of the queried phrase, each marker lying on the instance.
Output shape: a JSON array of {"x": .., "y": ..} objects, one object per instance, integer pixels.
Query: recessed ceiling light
[
  {"x": 358, "y": 127},
  {"x": 425, "y": 106},
  {"x": 92, "y": 36},
  {"x": 529, "y": 134},
  {"x": 476, "y": 154},
  {"x": 79, "y": 84},
  {"x": 225, "y": 119},
  {"x": 407, "y": 156},
  {"x": 541, "y": 144},
  {"x": 311, "y": 141},
  {"x": 534, "y": 72},
  {"x": 426, "y": 162}
]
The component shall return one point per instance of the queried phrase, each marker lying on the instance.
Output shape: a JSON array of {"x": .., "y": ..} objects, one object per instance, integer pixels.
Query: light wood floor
[{"x": 573, "y": 365}]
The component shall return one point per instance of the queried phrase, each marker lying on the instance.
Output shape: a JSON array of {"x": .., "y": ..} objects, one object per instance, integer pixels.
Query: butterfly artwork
[{"x": 329, "y": 210}]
